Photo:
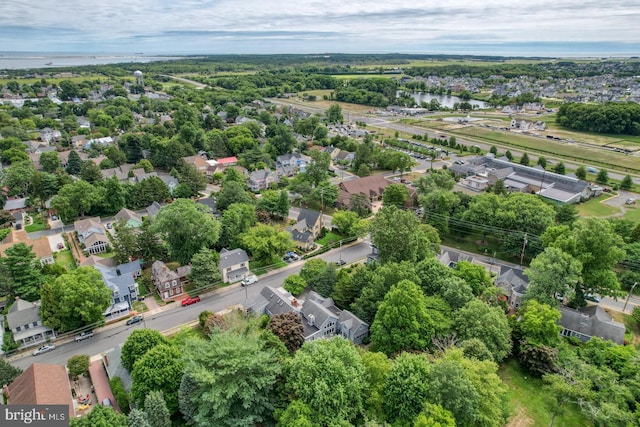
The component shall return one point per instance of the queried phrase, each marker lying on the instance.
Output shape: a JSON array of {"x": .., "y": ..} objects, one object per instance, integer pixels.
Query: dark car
[{"x": 135, "y": 319}]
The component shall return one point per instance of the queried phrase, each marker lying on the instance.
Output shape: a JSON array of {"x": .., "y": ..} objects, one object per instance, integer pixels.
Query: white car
[
  {"x": 45, "y": 348},
  {"x": 250, "y": 280}
]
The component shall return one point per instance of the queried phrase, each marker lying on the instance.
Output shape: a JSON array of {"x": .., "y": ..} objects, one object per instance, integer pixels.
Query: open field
[
  {"x": 594, "y": 207},
  {"x": 57, "y": 80},
  {"x": 530, "y": 405}
]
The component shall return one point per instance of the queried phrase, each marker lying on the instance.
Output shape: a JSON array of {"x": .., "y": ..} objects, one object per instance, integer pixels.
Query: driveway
[
  {"x": 54, "y": 241},
  {"x": 619, "y": 200}
]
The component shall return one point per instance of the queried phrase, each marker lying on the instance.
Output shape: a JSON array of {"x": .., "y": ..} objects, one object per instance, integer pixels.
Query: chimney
[
  {"x": 311, "y": 319},
  {"x": 105, "y": 359},
  {"x": 294, "y": 302}
]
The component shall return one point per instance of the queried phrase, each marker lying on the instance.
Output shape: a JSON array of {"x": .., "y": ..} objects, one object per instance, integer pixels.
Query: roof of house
[
  {"x": 209, "y": 202},
  {"x": 301, "y": 236},
  {"x": 260, "y": 174},
  {"x": 130, "y": 267},
  {"x": 227, "y": 160},
  {"x": 183, "y": 271},
  {"x": 592, "y": 321},
  {"x": 85, "y": 226},
  {"x": 370, "y": 186},
  {"x": 515, "y": 278},
  {"x": 310, "y": 217},
  {"x": 40, "y": 246},
  {"x": 96, "y": 238},
  {"x": 23, "y": 313},
  {"x": 126, "y": 215},
  {"x": 13, "y": 204},
  {"x": 42, "y": 384},
  {"x": 277, "y": 302},
  {"x": 153, "y": 208},
  {"x": 229, "y": 258},
  {"x": 196, "y": 161},
  {"x": 351, "y": 321},
  {"x": 161, "y": 272}
]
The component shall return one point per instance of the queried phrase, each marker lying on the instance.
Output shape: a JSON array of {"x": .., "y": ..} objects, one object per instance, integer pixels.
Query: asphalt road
[{"x": 112, "y": 336}]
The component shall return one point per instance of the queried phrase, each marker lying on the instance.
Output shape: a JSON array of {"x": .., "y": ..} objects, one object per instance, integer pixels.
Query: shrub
[
  {"x": 122, "y": 398},
  {"x": 78, "y": 364},
  {"x": 636, "y": 314},
  {"x": 202, "y": 317}
]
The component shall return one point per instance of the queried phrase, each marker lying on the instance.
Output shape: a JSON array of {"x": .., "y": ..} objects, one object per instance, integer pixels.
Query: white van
[{"x": 250, "y": 280}]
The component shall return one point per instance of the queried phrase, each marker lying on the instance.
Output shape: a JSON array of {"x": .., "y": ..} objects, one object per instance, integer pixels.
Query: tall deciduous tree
[
  {"x": 407, "y": 387},
  {"x": 347, "y": 223},
  {"x": 329, "y": 364},
  {"x": 139, "y": 342},
  {"x": 489, "y": 324},
  {"x": 50, "y": 161},
  {"x": 265, "y": 242},
  {"x": 402, "y": 322},
  {"x": 236, "y": 220},
  {"x": 204, "y": 268},
  {"x": 553, "y": 274},
  {"x": 75, "y": 299},
  {"x": 159, "y": 369},
  {"x": 233, "y": 377},
  {"x": 399, "y": 236},
  {"x": 232, "y": 192},
  {"x": 186, "y": 227},
  {"x": 24, "y": 271},
  {"x": 595, "y": 244},
  {"x": 8, "y": 372},
  {"x": 395, "y": 195},
  {"x": 100, "y": 416}
]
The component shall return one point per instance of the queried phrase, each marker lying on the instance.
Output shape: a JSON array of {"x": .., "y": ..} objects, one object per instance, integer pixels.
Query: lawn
[
  {"x": 106, "y": 254},
  {"x": 65, "y": 259},
  {"x": 530, "y": 405},
  {"x": 329, "y": 238},
  {"x": 260, "y": 267},
  {"x": 633, "y": 213},
  {"x": 594, "y": 207},
  {"x": 37, "y": 224}
]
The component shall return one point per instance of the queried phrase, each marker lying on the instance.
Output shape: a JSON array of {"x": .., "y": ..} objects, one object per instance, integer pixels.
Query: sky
[{"x": 481, "y": 27}]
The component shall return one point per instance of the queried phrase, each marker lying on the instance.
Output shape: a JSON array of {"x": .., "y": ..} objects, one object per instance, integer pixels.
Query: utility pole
[
  {"x": 524, "y": 245},
  {"x": 628, "y": 296}
]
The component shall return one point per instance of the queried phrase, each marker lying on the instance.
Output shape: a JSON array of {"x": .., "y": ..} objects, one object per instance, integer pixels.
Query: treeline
[
  {"x": 377, "y": 92},
  {"x": 612, "y": 117}
]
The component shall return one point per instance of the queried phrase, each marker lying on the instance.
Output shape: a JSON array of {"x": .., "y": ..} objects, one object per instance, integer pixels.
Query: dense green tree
[
  {"x": 538, "y": 324},
  {"x": 8, "y": 372},
  {"x": 402, "y": 322},
  {"x": 566, "y": 213},
  {"x": 266, "y": 243},
  {"x": 377, "y": 366},
  {"x": 74, "y": 200},
  {"x": 17, "y": 178},
  {"x": 190, "y": 176},
  {"x": 294, "y": 284},
  {"x": 602, "y": 177},
  {"x": 328, "y": 364},
  {"x": 433, "y": 415},
  {"x": 450, "y": 388},
  {"x": 149, "y": 243},
  {"x": 149, "y": 190},
  {"x": 399, "y": 236},
  {"x": 524, "y": 160},
  {"x": 334, "y": 114},
  {"x": 6, "y": 219},
  {"x": 474, "y": 275},
  {"x": 204, "y": 269},
  {"x": 320, "y": 275},
  {"x": 78, "y": 365},
  {"x": 90, "y": 172},
  {"x": 627, "y": 183},
  {"x": 156, "y": 409},
  {"x": 489, "y": 324},
  {"x": 288, "y": 328},
  {"x": 159, "y": 369},
  {"x": 581, "y": 172},
  {"x": 552, "y": 274},
  {"x": 124, "y": 242},
  {"x": 100, "y": 416},
  {"x": 74, "y": 163},
  {"x": 282, "y": 139},
  {"x": 24, "y": 271},
  {"x": 137, "y": 418},
  {"x": 75, "y": 299},
  {"x": 297, "y": 414},
  {"x": 139, "y": 342},
  {"x": 50, "y": 161},
  {"x": 232, "y": 192},
  {"x": 235, "y": 221},
  {"x": 233, "y": 377},
  {"x": 396, "y": 195},
  {"x": 345, "y": 290},
  {"x": 347, "y": 223},
  {"x": 318, "y": 170},
  {"x": 407, "y": 387},
  {"x": 594, "y": 243},
  {"x": 114, "y": 199},
  {"x": 186, "y": 228},
  {"x": 542, "y": 162}
]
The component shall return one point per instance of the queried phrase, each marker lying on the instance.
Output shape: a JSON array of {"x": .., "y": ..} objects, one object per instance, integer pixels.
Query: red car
[{"x": 190, "y": 300}]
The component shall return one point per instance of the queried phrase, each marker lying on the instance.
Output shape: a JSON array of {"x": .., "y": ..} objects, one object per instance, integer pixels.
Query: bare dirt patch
[{"x": 521, "y": 419}]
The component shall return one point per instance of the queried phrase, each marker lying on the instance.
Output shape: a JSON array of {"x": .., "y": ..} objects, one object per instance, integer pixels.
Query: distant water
[{"x": 28, "y": 60}]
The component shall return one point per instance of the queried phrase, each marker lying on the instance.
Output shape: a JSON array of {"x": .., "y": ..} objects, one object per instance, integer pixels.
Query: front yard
[
  {"x": 65, "y": 259},
  {"x": 594, "y": 207}
]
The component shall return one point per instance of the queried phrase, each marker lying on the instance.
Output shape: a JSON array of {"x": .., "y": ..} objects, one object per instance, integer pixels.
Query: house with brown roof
[
  {"x": 40, "y": 247},
  {"x": 41, "y": 384},
  {"x": 129, "y": 218},
  {"x": 167, "y": 282},
  {"x": 371, "y": 187}
]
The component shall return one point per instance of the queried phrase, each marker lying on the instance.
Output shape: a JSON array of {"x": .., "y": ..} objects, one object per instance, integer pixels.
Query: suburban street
[{"x": 114, "y": 335}]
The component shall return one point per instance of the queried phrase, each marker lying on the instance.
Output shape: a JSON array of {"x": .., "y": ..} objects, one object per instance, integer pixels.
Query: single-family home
[
  {"x": 320, "y": 317},
  {"x": 42, "y": 384},
  {"x": 233, "y": 265},
  {"x": 371, "y": 187},
  {"x": 26, "y": 325},
  {"x": 124, "y": 289},
  {"x": 14, "y": 205},
  {"x": 92, "y": 235},
  {"x": 307, "y": 228},
  {"x": 153, "y": 209},
  {"x": 514, "y": 284},
  {"x": 129, "y": 218},
  {"x": 226, "y": 162},
  {"x": 209, "y": 203},
  {"x": 40, "y": 246},
  {"x": 261, "y": 179},
  {"x": 591, "y": 321},
  {"x": 168, "y": 283},
  {"x": 49, "y": 135}
]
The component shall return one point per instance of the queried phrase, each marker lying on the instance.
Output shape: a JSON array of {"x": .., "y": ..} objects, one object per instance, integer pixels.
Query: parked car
[
  {"x": 250, "y": 280},
  {"x": 341, "y": 262},
  {"x": 135, "y": 319},
  {"x": 109, "y": 226},
  {"x": 60, "y": 246},
  {"x": 44, "y": 349},
  {"x": 190, "y": 300},
  {"x": 592, "y": 297},
  {"x": 630, "y": 201},
  {"x": 84, "y": 335}
]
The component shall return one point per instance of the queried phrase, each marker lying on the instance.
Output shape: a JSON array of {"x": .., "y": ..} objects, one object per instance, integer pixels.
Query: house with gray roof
[
  {"x": 153, "y": 209},
  {"x": 92, "y": 235},
  {"x": 25, "y": 323},
  {"x": 129, "y": 218},
  {"x": 124, "y": 289},
  {"x": 514, "y": 284},
  {"x": 320, "y": 316},
  {"x": 261, "y": 179},
  {"x": 451, "y": 258},
  {"x": 168, "y": 283},
  {"x": 233, "y": 265},
  {"x": 307, "y": 228},
  {"x": 591, "y": 321}
]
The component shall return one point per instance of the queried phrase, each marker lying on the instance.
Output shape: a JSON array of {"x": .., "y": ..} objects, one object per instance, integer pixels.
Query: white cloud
[{"x": 333, "y": 25}]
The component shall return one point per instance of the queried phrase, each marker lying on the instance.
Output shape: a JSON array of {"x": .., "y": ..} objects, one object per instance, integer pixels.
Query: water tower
[{"x": 139, "y": 79}]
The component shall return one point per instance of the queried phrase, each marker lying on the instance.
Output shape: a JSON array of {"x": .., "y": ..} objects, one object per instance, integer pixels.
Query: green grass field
[
  {"x": 65, "y": 259},
  {"x": 594, "y": 207},
  {"x": 530, "y": 405},
  {"x": 329, "y": 238}
]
